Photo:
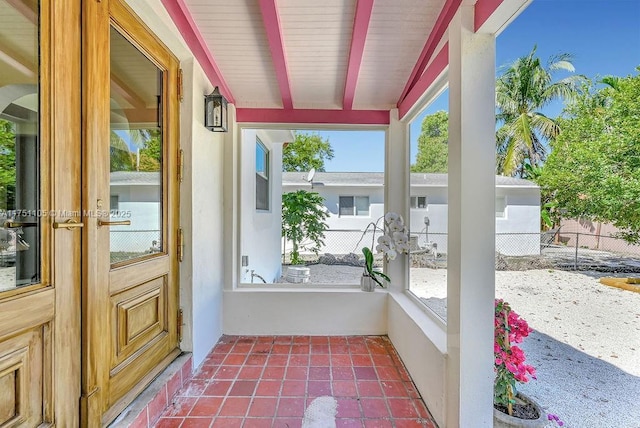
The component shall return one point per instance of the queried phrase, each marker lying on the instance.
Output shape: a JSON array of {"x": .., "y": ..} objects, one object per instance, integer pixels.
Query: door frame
[{"x": 98, "y": 17}]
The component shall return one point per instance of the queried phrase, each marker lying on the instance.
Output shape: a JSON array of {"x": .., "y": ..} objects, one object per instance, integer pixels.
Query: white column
[
  {"x": 396, "y": 189},
  {"x": 231, "y": 172},
  {"x": 471, "y": 274}
]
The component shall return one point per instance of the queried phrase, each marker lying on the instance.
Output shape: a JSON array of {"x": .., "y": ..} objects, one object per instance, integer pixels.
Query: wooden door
[
  {"x": 39, "y": 192},
  {"x": 130, "y": 186}
]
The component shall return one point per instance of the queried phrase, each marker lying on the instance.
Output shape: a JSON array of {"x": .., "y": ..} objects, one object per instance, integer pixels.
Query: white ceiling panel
[
  {"x": 235, "y": 35},
  {"x": 397, "y": 33}
]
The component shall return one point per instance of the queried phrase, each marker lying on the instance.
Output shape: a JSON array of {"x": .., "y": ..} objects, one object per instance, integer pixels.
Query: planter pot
[
  {"x": 298, "y": 274},
  {"x": 502, "y": 420},
  {"x": 367, "y": 283}
]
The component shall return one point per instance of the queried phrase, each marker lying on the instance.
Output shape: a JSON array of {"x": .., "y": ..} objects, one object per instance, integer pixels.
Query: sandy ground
[
  {"x": 585, "y": 347},
  {"x": 7, "y": 278}
]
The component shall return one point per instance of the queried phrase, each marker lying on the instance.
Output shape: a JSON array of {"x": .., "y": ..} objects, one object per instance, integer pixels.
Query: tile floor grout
[{"x": 288, "y": 362}]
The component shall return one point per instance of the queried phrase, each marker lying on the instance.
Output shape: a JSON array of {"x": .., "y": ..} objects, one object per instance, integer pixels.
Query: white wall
[
  {"x": 313, "y": 311},
  {"x": 201, "y": 272},
  {"x": 345, "y": 231},
  {"x": 261, "y": 231},
  {"x": 421, "y": 344},
  {"x": 521, "y": 217},
  {"x": 436, "y": 211}
]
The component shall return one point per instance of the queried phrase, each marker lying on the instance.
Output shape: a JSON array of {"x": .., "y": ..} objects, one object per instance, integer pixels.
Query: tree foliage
[
  {"x": 148, "y": 146},
  {"x": 433, "y": 144},
  {"x": 305, "y": 152},
  {"x": 593, "y": 170},
  {"x": 303, "y": 216},
  {"x": 7, "y": 163},
  {"x": 525, "y": 87}
]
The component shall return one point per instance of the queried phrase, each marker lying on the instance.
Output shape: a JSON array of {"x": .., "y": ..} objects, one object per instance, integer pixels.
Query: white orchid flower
[
  {"x": 391, "y": 254},
  {"x": 401, "y": 241},
  {"x": 395, "y": 226},
  {"x": 393, "y": 217},
  {"x": 385, "y": 244}
]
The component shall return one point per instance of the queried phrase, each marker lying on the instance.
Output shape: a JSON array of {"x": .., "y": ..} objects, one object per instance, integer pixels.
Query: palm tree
[{"x": 522, "y": 90}]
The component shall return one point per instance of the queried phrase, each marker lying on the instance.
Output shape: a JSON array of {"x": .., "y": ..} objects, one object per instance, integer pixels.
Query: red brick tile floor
[{"x": 268, "y": 381}]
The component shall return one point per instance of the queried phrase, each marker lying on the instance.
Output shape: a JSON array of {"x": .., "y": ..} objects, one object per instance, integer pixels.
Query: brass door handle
[
  {"x": 69, "y": 224},
  {"x": 11, "y": 224},
  {"x": 114, "y": 223}
]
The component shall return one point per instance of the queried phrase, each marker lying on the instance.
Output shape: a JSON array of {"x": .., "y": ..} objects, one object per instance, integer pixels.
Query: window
[
  {"x": 354, "y": 206},
  {"x": 114, "y": 202},
  {"x": 501, "y": 207},
  {"x": 419, "y": 202},
  {"x": 262, "y": 176}
]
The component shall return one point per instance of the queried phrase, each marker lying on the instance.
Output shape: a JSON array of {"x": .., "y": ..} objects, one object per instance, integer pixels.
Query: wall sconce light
[{"x": 215, "y": 111}]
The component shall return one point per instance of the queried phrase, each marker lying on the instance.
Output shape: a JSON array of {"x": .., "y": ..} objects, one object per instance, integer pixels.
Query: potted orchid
[
  {"x": 393, "y": 241},
  {"x": 512, "y": 408}
]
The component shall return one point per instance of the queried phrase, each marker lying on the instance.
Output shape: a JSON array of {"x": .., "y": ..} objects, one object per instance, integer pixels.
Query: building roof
[
  {"x": 376, "y": 179},
  {"x": 137, "y": 178}
]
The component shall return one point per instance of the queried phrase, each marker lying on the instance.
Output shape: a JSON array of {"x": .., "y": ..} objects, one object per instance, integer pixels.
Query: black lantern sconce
[{"x": 215, "y": 111}]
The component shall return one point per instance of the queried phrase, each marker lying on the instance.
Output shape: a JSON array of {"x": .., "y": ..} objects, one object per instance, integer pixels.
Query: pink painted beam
[
  {"x": 358, "y": 38},
  {"x": 338, "y": 117},
  {"x": 483, "y": 10},
  {"x": 442, "y": 23},
  {"x": 436, "y": 68},
  {"x": 271, "y": 21},
  {"x": 181, "y": 16}
]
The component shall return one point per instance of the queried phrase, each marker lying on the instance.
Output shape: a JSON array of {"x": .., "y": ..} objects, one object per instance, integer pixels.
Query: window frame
[
  {"x": 266, "y": 175},
  {"x": 417, "y": 206},
  {"x": 354, "y": 206}
]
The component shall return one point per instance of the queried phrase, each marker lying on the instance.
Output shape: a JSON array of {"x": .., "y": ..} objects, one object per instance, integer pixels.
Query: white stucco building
[{"x": 355, "y": 199}]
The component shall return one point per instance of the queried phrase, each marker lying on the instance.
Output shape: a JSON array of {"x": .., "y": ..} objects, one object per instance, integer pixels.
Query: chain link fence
[
  {"x": 514, "y": 251},
  {"x": 128, "y": 244}
]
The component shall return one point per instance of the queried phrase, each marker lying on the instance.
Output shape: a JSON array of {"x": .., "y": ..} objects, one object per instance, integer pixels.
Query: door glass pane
[
  {"x": 135, "y": 152},
  {"x": 19, "y": 145}
]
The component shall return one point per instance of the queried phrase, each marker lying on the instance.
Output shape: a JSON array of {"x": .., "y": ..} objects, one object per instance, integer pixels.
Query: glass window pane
[
  {"x": 262, "y": 177},
  {"x": 414, "y": 202},
  {"x": 261, "y": 159},
  {"x": 500, "y": 206},
  {"x": 362, "y": 205},
  {"x": 19, "y": 145},
  {"x": 422, "y": 202},
  {"x": 346, "y": 205},
  {"x": 136, "y": 152}
]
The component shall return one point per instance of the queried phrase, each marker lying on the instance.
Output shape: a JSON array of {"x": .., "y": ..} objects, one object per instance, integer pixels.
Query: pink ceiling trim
[
  {"x": 442, "y": 23},
  {"x": 358, "y": 38},
  {"x": 340, "y": 117},
  {"x": 271, "y": 20},
  {"x": 483, "y": 10},
  {"x": 184, "y": 21},
  {"x": 436, "y": 67}
]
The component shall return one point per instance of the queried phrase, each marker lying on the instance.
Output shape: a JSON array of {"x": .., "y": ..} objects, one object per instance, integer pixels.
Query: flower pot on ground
[{"x": 526, "y": 414}]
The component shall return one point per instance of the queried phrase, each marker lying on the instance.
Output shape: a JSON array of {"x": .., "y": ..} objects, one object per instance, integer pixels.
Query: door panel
[
  {"x": 22, "y": 353},
  {"x": 39, "y": 305},
  {"x": 130, "y": 172}
]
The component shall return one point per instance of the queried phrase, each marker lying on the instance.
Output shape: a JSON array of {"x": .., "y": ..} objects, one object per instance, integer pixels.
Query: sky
[{"x": 602, "y": 35}]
